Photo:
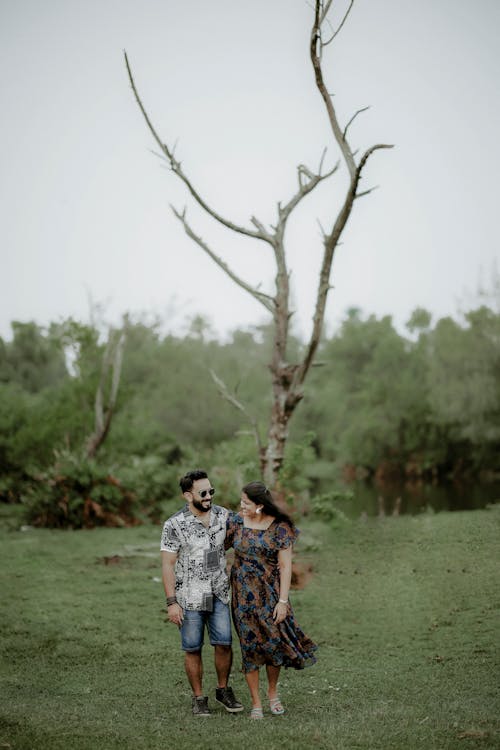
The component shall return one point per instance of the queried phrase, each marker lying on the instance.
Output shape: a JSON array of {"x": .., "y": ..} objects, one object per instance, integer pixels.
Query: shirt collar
[{"x": 189, "y": 515}]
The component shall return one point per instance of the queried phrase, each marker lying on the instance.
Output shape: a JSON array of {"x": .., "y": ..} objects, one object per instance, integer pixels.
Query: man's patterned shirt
[{"x": 200, "y": 570}]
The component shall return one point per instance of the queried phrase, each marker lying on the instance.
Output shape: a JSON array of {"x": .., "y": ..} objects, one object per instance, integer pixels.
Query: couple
[{"x": 197, "y": 588}]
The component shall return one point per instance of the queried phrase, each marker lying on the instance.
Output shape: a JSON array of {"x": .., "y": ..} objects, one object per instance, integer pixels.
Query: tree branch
[
  {"x": 225, "y": 393},
  {"x": 315, "y": 54},
  {"x": 331, "y": 242},
  {"x": 369, "y": 152},
  {"x": 353, "y": 118},
  {"x": 176, "y": 167},
  {"x": 324, "y": 8},
  {"x": 264, "y": 299},
  {"x": 117, "y": 370},
  {"x": 323, "y": 17},
  {"x": 304, "y": 188},
  {"x": 366, "y": 192}
]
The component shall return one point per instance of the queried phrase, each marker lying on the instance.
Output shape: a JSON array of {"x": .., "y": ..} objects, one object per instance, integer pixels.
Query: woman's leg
[
  {"x": 252, "y": 679},
  {"x": 273, "y": 674}
]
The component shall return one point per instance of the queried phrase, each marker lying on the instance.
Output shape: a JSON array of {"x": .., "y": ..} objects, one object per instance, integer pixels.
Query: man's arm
[{"x": 168, "y": 560}]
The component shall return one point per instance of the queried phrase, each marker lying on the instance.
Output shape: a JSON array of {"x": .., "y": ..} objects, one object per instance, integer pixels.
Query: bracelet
[
  {"x": 171, "y": 600},
  {"x": 283, "y": 601}
]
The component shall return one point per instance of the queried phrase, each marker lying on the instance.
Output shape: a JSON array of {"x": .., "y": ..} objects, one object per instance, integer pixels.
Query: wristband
[
  {"x": 283, "y": 601},
  {"x": 171, "y": 600}
]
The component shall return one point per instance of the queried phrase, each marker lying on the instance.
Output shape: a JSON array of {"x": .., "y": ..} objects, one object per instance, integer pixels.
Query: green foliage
[
  {"x": 420, "y": 320},
  {"x": 154, "y": 482},
  {"x": 414, "y": 407},
  {"x": 231, "y": 464},
  {"x": 77, "y": 493},
  {"x": 324, "y": 506},
  {"x": 34, "y": 358},
  {"x": 298, "y": 456},
  {"x": 381, "y": 403},
  {"x": 464, "y": 379}
]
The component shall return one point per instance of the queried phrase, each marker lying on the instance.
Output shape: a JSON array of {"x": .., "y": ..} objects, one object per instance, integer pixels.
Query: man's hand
[{"x": 175, "y": 614}]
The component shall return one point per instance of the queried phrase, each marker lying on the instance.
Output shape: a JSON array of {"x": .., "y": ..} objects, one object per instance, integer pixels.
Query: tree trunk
[
  {"x": 112, "y": 361},
  {"x": 286, "y": 397}
]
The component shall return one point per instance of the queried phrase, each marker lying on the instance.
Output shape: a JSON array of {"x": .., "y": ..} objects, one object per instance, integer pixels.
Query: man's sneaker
[
  {"x": 226, "y": 697},
  {"x": 200, "y": 706}
]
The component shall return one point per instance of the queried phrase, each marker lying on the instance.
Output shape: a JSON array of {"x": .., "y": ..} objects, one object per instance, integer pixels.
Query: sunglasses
[{"x": 204, "y": 493}]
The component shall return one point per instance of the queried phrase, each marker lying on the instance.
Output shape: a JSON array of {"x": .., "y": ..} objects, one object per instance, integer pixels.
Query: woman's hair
[{"x": 258, "y": 493}]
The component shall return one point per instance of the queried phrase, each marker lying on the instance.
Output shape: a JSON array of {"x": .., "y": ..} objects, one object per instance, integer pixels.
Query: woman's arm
[{"x": 285, "y": 568}]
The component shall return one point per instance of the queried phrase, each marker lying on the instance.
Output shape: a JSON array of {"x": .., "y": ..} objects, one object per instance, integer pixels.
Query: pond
[{"x": 412, "y": 498}]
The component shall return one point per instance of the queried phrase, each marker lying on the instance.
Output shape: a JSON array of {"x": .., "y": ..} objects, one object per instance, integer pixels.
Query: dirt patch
[{"x": 112, "y": 560}]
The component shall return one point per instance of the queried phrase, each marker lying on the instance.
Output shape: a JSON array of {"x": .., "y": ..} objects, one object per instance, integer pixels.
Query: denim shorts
[{"x": 218, "y": 623}]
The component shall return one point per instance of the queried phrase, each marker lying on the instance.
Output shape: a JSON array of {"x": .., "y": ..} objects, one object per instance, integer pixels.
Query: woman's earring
[{"x": 259, "y": 510}]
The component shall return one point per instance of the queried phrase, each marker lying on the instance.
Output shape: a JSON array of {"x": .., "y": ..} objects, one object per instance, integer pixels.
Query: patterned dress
[{"x": 255, "y": 593}]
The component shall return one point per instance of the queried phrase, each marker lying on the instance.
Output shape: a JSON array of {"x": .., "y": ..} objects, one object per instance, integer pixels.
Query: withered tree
[
  {"x": 107, "y": 391},
  {"x": 288, "y": 378}
]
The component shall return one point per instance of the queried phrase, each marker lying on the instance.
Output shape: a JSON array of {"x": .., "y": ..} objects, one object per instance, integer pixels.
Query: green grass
[{"x": 403, "y": 610}]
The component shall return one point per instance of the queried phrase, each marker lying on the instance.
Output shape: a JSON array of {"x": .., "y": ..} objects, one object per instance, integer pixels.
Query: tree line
[{"x": 424, "y": 403}]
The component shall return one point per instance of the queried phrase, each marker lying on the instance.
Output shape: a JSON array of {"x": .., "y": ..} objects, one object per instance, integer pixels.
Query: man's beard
[{"x": 199, "y": 505}]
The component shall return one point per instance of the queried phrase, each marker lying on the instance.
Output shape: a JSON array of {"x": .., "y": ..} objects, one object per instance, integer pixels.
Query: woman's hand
[
  {"x": 175, "y": 614},
  {"x": 280, "y": 612}
]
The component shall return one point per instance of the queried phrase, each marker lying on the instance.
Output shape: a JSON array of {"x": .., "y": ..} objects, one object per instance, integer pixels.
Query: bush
[
  {"x": 323, "y": 506},
  {"x": 77, "y": 493},
  {"x": 229, "y": 465},
  {"x": 154, "y": 483}
]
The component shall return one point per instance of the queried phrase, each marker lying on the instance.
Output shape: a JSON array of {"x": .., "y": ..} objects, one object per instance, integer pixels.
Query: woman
[{"x": 262, "y": 537}]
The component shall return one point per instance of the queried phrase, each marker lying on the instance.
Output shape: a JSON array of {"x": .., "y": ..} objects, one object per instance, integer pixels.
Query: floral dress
[{"x": 255, "y": 592}]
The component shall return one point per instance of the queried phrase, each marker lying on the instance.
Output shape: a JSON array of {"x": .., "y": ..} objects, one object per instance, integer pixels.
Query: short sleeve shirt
[{"x": 200, "y": 570}]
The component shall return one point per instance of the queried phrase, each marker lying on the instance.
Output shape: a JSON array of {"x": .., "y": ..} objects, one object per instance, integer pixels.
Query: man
[{"x": 197, "y": 587}]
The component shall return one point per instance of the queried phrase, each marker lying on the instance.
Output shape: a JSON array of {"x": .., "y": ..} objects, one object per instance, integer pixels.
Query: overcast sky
[{"x": 85, "y": 203}]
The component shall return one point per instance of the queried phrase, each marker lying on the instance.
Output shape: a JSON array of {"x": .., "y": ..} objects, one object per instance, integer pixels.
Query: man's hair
[{"x": 186, "y": 482}]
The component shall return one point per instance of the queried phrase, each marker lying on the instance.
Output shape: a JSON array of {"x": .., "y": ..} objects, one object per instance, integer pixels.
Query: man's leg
[
  {"x": 223, "y": 662},
  {"x": 219, "y": 627},
  {"x": 194, "y": 669},
  {"x": 192, "y": 629}
]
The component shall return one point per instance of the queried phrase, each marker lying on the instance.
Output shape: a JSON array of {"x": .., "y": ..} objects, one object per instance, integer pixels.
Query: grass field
[{"x": 405, "y": 611}]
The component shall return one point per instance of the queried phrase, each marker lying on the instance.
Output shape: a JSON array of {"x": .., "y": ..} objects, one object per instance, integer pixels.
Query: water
[{"x": 413, "y": 498}]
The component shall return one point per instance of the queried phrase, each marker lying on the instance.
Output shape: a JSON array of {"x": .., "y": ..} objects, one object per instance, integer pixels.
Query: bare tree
[
  {"x": 111, "y": 367},
  {"x": 287, "y": 378}
]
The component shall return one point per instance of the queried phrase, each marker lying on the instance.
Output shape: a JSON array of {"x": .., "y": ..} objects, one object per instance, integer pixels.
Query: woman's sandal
[
  {"x": 257, "y": 713},
  {"x": 276, "y": 706}
]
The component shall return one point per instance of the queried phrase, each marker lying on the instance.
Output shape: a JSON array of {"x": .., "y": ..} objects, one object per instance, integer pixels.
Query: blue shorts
[{"x": 218, "y": 623}]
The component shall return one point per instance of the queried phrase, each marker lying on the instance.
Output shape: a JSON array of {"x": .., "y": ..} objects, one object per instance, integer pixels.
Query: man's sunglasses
[{"x": 204, "y": 493}]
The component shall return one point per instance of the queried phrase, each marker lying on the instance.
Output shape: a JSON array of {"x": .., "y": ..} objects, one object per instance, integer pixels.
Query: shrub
[
  {"x": 154, "y": 482},
  {"x": 324, "y": 506},
  {"x": 78, "y": 493},
  {"x": 231, "y": 464}
]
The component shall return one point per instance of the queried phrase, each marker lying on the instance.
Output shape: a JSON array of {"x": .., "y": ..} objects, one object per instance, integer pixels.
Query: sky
[{"x": 85, "y": 203}]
